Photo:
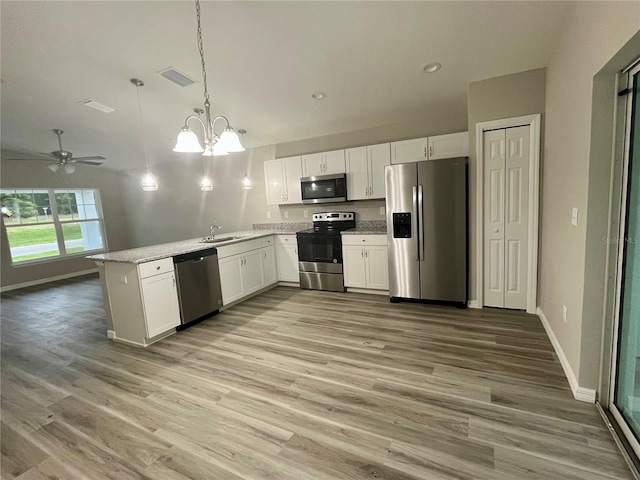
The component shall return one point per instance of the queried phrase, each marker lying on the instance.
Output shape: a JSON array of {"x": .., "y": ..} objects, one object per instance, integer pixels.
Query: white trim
[
  {"x": 47, "y": 280},
  {"x": 534, "y": 202},
  {"x": 367, "y": 291},
  {"x": 111, "y": 334},
  {"x": 473, "y": 304},
  {"x": 579, "y": 393}
]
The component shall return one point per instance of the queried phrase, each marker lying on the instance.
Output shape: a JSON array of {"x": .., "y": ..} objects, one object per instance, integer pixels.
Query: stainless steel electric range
[{"x": 320, "y": 251}]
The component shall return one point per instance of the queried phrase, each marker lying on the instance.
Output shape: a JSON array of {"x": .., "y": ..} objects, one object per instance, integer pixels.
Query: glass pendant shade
[
  {"x": 149, "y": 182},
  {"x": 246, "y": 183},
  {"x": 230, "y": 141},
  {"x": 187, "y": 142},
  {"x": 219, "y": 150},
  {"x": 206, "y": 184},
  {"x": 69, "y": 169},
  {"x": 53, "y": 167}
]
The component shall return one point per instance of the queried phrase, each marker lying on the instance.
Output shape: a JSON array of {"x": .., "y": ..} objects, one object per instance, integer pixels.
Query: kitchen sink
[{"x": 218, "y": 239}]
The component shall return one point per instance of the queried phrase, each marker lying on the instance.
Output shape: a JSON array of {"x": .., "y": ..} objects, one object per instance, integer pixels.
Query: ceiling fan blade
[
  {"x": 95, "y": 157},
  {"x": 34, "y": 159},
  {"x": 85, "y": 162}
]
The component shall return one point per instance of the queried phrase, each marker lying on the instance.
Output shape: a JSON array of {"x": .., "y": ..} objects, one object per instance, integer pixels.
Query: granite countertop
[
  {"x": 166, "y": 250},
  {"x": 368, "y": 227}
]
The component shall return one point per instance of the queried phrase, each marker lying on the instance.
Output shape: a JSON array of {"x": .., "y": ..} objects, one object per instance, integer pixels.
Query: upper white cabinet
[
  {"x": 430, "y": 148},
  {"x": 324, "y": 163},
  {"x": 365, "y": 171},
  {"x": 282, "y": 180},
  {"x": 414, "y": 150},
  {"x": 449, "y": 146}
]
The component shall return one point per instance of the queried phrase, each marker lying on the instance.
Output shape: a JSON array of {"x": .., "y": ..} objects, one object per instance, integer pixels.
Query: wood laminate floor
[{"x": 295, "y": 385}]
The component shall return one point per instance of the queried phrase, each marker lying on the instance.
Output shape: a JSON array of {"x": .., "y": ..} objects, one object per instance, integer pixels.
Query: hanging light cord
[
  {"x": 201, "y": 49},
  {"x": 144, "y": 144}
]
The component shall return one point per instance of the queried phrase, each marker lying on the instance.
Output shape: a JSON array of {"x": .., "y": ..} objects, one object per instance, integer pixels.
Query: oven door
[
  {"x": 324, "y": 189},
  {"x": 320, "y": 248}
]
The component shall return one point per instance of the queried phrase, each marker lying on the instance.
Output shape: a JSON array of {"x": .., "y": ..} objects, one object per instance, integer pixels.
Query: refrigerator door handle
[
  {"x": 420, "y": 225},
  {"x": 415, "y": 221}
]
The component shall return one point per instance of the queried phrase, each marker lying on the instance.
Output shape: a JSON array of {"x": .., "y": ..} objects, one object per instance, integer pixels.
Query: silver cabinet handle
[
  {"x": 173, "y": 281},
  {"x": 430, "y": 151},
  {"x": 366, "y": 254},
  {"x": 425, "y": 152},
  {"x": 362, "y": 253}
]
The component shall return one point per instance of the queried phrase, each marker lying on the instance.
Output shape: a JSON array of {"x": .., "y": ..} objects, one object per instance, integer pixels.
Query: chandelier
[{"x": 215, "y": 145}]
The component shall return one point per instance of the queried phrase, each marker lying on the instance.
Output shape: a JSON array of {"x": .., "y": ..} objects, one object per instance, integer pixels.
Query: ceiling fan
[{"x": 63, "y": 158}]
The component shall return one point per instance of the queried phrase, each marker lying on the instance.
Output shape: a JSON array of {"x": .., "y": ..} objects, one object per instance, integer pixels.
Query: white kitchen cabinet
[
  {"x": 287, "y": 256},
  {"x": 269, "y": 271},
  {"x": 282, "y": 180},
  {"x": 143, "y": 300},
  {"x": 251, "y": 271},
  {"x": 430, "y": 148},
  {"x": 365, "y": 261},
  {"x": 231, "y": 279},
  {"x": 365, "y": 171},
  {"x": 160, "y": 302},
  {"x": 406, "y": 151},
  {"x": 449, "y": 146},
  {"x": 323, "y": 163}
]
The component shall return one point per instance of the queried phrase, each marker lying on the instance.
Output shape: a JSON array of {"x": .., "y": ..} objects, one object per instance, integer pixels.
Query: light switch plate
[
  {"x": 306, "y": 213},
  {"x": 382, "y": 211},
  {"x": 574, "y": 217},
  {"x": 286, "y": 214},
  {"x": 268, "y": 214}
]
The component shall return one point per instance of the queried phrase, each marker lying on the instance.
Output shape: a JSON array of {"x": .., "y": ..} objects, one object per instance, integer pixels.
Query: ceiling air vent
[
  {"x": 177, "y": 77},
  {"x": 91, "y": 103}
]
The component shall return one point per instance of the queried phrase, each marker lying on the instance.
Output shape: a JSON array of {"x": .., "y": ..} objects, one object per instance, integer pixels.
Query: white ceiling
[{"x": 264, "y": 60}]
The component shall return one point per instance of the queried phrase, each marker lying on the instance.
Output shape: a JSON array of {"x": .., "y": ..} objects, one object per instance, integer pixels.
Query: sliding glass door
[{"x": 625, "y": 378}]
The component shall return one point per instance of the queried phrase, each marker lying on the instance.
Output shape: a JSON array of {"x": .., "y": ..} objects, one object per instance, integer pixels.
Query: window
[{"x": 43, "y": 224}]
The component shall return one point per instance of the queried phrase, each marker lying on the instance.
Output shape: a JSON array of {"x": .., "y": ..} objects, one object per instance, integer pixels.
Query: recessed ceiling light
[
  {"x": 319, "y": 95},
  {"x": 431, "y": 67}
]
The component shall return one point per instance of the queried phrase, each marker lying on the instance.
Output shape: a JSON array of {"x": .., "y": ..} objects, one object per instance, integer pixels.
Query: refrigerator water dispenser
[{"x": 402, "y": 225}]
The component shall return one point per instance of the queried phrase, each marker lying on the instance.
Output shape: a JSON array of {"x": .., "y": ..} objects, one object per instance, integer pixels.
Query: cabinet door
[
  {"x": 268, "y": 258},
  {"x": 312, "y": 165},
  {"x": 274, "y": 181},
  {"x": 353, "y": 262},
  {"x": 292, "y": 173},
  {"x": 251, "y": 271},
  {"x": 358, "y": 174},
  {"x": 160, "y": 301},
  {"x": 288, "y": 263},
  {"x": 406, "y": 151},
  {"x": 379, "y": 156},
  {"x": 377, "y": 267},
  {"x": 231, "y": 279},
  {"x": 449, "y": 146},
  {"x": 334, "y": 162}
]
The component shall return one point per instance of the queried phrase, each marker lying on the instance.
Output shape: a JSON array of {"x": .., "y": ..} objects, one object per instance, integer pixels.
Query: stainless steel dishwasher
[{"x": 199, "y": 290}]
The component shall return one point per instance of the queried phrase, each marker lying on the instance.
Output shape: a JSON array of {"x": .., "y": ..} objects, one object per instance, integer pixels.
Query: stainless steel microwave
[{"x": 324, "y": 188}]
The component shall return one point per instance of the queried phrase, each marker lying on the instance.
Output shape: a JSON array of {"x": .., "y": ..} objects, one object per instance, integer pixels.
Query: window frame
[{"x": 58, "y": 225}]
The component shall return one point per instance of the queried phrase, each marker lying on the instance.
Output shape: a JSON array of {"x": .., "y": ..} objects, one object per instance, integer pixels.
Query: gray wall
[
  {"x": 494, "y": 99},
  {"x": 571, "y": 113},
  {"x": 37, "y": 175}
]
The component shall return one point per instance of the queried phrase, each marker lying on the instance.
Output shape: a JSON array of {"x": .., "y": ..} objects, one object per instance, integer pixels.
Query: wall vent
[{"x": 177, "y": 77}]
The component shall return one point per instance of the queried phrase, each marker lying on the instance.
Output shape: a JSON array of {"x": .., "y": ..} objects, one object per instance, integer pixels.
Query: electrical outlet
[
  {"x": 574, "y": 217},
  {"x": 381, "y": 210},
  {"x": 268, "y": 214},
  {"x": 123, "y": 279},
  {"x": 306, "y": 213},
  {"x": 286, "y": 214},
  {"x": 564, "y": 313}
]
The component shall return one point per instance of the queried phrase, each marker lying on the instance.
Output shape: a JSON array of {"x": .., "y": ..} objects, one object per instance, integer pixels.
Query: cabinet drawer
[
  {"x": 268, "y": 241},
  {"x": 156, "y": 267},
  {"x": 240, "y": 247},
  {"x": 286, "y": 240},
  {"x": 364, "y": 239}
]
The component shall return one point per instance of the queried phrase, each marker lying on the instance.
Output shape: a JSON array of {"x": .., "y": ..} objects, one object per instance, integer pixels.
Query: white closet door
[
  {"x": 506, "y": 217},
  {"x": 516, "y": 222},
  {"x": 494, "y": 202}
]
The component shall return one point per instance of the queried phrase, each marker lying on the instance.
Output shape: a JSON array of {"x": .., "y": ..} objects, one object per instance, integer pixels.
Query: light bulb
[
  {"x": 246, "y": 183},
  {"x": 149, "y": 183},
  {"x": 69, "y": 169},
  {"x": 205, "y": 184}
]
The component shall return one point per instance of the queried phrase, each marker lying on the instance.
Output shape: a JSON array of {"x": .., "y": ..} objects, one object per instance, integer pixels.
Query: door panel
[
  {"x": 357, "y": 173},
  {"x": 377, "y": 267},
  {"x": 379, "y": 157},
  {"x": 292, "y": 173},
  {"x": 494, "y": 166},
  {"x": 354, "y": 266},
  {"x": 274, "y": 181}
]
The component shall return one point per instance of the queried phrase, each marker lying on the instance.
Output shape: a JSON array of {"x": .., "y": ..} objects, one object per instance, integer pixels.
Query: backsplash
[{"x": 294, "y": 226}]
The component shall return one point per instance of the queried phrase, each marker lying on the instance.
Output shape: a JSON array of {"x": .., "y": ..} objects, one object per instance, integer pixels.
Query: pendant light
[
  {"x": 246, "y": 182},
  {"x": 187, "y": 141},
  {"x": 205, "y": 182},
  {"x": 149, "y": 183}
]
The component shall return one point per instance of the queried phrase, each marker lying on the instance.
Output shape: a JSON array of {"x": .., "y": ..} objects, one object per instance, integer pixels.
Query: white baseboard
[
  {"x": 579, "y": 393},
  {"x": 473, "y": 304},
  {"x": 111, "y": 334},
  {"x": 40, "y": 281},
  {"x": 368, "y": 291}
]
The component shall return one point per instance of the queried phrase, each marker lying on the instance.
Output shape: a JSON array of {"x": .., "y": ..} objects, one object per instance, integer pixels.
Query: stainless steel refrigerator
[{"x": 426, "y": 206}]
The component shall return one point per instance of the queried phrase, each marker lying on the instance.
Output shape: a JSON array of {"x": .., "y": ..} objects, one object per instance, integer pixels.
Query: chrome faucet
[{"x": 212, "y": 227}]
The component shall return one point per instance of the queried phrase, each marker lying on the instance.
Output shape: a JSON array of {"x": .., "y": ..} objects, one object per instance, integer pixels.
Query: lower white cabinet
[
  {"x": 246, "y": 268},
  {"x": 143, "y": 300},
  {"x": 287, "y": 255},
  {"x": 160, "y": 302},
  {"x": 365, "y": 261}
]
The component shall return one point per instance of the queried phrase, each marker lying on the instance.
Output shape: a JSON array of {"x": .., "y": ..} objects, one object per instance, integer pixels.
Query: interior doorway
[{"x": 507, "y": 205}]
